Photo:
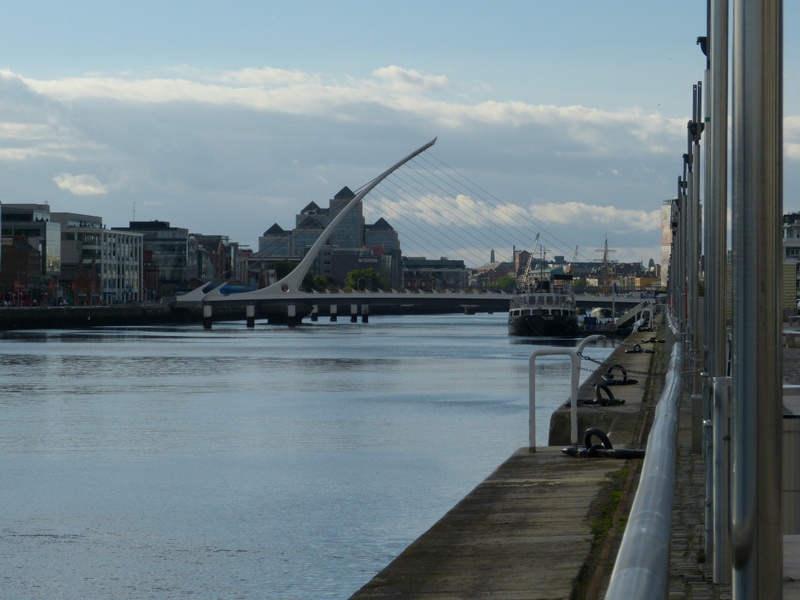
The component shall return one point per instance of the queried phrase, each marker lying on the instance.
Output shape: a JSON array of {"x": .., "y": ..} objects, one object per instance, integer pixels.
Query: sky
[{"x": 227, "y": 117}]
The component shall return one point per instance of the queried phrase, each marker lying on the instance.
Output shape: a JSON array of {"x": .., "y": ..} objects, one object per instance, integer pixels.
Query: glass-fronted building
[
  {"x": 168, "y": 250},
  {"x": 33, "y": 221}
]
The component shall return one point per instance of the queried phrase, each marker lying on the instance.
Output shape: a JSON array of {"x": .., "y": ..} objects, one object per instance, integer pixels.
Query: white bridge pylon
[{"x": 290, "y": 284}]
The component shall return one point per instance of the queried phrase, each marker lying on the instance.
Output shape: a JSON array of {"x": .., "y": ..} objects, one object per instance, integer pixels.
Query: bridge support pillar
[
  {"x": 354, "y": 313},
  {"x": 314, "y": 313},
  {"x": 291, "y": 312},
  {"x": 251, "y": 315},
  {"x": 334, "y": 309},
  {"x": 207, "y": 313},
  {"x": 365, "y": 313}
]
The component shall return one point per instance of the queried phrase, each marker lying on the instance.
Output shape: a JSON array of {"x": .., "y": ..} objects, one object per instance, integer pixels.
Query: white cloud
[
  {"x": 235, "y": 151},
  {"x": 791, "y": 134},
  {"x": 266, "y": 77},
  {"x": 609, "y": 216},
  {"x": 412, "y": 93},
  {"x": 409, "y": 79},
  {"x": 80, "y": 185}
]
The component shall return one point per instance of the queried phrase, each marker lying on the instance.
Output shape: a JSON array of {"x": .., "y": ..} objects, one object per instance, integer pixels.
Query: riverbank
[{"x": 77, "y": 317}]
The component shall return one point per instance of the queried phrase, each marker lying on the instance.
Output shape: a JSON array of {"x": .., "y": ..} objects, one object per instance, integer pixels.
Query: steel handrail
[{"x": 642, "y": 565}]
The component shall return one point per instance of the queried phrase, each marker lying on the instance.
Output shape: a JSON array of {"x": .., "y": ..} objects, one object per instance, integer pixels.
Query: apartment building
[{"x": 98, "y": 265}]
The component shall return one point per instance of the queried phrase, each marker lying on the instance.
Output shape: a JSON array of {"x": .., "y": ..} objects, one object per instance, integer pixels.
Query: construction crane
[{"x": 574, "y": 260}]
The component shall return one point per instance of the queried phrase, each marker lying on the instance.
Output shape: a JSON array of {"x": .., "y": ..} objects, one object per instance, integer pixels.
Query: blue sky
[{"x": 228, "y": 117}]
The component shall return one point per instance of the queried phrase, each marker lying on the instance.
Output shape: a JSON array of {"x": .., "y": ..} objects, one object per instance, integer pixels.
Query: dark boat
[{"x": 544, "y": 307}]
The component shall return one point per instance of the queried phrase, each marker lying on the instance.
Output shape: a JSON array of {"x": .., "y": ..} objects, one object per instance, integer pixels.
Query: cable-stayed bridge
[{"x": 436, "y": 210}]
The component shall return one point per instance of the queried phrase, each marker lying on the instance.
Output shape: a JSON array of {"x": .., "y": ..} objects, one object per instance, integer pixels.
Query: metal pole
[
  {"x": 717, "y": 201},
  {"x": 691, "y": 282},
  {"x": 715, "y": 280},
  {"x": 682, "y": 225},
  {"x": 693, "y": 254},
  {"x": 722, "y": 485},
  {"x": 756, "y": 361},
  {"x": 677, "y": 255}
]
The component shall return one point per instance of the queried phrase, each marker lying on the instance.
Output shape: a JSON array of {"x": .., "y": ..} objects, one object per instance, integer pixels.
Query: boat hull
[{"x": 544, "y": 326}]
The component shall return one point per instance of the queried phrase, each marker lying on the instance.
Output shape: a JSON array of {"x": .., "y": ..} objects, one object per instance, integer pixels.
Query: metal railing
[
  {"x": 574, "y": 355},
  {"x": 642, "y": 566}
]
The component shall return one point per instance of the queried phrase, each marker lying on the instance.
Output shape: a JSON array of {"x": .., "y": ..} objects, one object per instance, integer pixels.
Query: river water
[{"x": 249, "y": 463}]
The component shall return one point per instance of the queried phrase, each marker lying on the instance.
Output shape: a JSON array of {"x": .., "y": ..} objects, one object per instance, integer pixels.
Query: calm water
[{"x": 236, "y": 463}]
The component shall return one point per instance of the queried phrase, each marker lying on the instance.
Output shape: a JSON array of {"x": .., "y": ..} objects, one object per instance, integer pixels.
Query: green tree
[
  {"x": 324, "y": 282},
  {"x": 579, "y": 286},
  {"x": 284, "y": 267},
  {"x": 365, "y": 279},
  {"x": 506, "y": 283}
]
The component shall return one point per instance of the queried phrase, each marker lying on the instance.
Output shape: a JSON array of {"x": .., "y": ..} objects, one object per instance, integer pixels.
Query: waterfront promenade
[{"x": 547, "y": 526}]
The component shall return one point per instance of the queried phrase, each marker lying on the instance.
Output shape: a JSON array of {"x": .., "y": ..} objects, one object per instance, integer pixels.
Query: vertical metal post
[
  {"x": 691, "y": 284},
  {"x": 721, "y": 474},
  {"x": 756, "y": 360},
  {"x": 715, "y": 280},
  {"x": 693, "y": 230},
  {"x": 692, "y": 160},
  {"x": 717, "y": 200},
  {"x": 683, "y": 240},
  {"x": 676, "y": 269},
  {"x": 709, "y": 454}
]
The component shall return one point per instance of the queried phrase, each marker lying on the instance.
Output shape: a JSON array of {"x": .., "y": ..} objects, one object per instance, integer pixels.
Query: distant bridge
[
  {"x": 292, "y": 307},
  {"x": 285, "y": 301}
]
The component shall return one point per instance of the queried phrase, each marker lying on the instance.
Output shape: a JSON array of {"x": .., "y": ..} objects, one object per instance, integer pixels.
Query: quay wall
[{"x": 75, "y": 317}]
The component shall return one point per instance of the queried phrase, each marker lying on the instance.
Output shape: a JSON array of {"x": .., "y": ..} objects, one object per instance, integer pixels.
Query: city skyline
[{"x": 226, "y": 121}]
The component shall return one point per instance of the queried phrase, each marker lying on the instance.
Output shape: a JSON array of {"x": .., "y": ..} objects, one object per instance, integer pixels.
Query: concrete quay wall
[
  {"x": 544, "y": 524},
  {"x": 78, "y": 317}
]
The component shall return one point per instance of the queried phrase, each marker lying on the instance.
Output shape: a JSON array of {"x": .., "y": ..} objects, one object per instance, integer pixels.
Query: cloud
[
  {"x": 584, "y": 130},
  {"x": 409, "y": 79},
  {"x": 609, "y": 216},
  {"x": 266, "y": 77},
  {"x": 232, "y": 152},
  {"x": 791, "y": 133},
  {"x": 80, "y": 185}
]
